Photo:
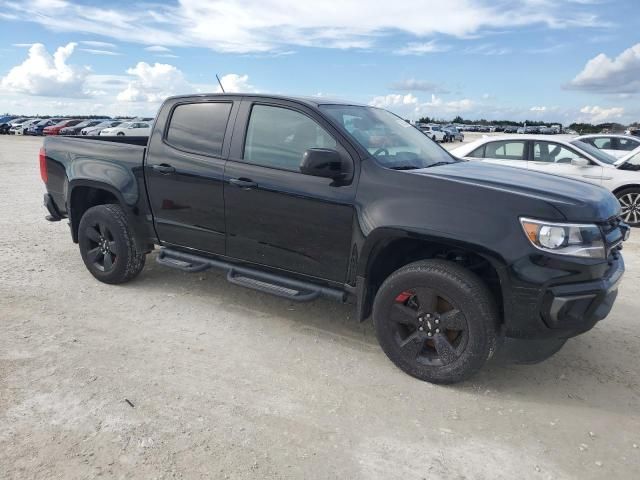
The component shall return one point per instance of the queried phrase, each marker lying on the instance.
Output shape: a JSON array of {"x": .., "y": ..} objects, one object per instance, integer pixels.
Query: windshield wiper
[
  {"x": 404, "y": 167},
  {"x": 437, "y": 164}
]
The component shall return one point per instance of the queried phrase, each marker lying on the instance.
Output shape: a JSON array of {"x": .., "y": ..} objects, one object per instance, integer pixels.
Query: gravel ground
[{"x": 186, "y": 376}]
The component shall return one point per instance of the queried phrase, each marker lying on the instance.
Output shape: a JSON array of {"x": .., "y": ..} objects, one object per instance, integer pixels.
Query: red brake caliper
[{"x": 403, "y": 297}]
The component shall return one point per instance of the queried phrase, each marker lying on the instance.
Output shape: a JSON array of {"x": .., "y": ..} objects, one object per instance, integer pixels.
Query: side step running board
[{"x": 281, "y": 286}]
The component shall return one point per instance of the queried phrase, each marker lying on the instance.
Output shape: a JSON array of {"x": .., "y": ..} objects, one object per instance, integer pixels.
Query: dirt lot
[{"x": 186, "y": 376}]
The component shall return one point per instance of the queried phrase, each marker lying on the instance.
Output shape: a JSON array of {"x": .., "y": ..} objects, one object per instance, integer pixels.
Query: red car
[{"x": 55, "y": 129}]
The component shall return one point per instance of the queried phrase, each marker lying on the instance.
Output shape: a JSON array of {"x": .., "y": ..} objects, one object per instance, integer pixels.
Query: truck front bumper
[{"x": 564, "y": 308}]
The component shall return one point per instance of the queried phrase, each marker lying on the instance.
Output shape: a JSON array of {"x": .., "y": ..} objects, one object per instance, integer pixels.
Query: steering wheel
[{"x": 381, "y": 150}]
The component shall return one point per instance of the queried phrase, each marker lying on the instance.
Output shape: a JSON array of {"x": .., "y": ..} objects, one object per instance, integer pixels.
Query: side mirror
[
  {"x": 323, "y": 162},
  {"x": 580, "y": 162}
]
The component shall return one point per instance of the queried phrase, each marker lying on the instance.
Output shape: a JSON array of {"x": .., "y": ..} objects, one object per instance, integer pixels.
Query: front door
[
  {"x": 555, "y": 158},
  {"x": 276, "y": 216},
  {"x": 184, "y": 171}
]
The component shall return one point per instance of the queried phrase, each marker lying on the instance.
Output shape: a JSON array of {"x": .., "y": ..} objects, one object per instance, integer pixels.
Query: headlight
[{"x": 578, "y": 240}]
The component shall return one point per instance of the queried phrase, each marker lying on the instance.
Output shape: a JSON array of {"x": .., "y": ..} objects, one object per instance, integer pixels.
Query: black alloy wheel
[
  {"x": 428, "y": 328},
  {"x": 436, "y": 320},
  {"x": 103, "y": 249},
  {"x": 107, "y": 245}
]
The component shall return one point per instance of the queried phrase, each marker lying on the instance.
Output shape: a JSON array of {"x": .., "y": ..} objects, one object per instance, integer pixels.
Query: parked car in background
[
  {"x": 453, "y": 134},
  {"x": 546, "y": 130},
  {"x": 22, "y": 129},
  {"x": 635, "y": 132},
  {"x": 511, "y": 129},
  {"x": 55, "y": 129},
  {"x": 6, "y": 126},
  {"x": 434, "y": 132},
  {"x": 567, "y": 158},
  {"x": 616, "y": 145},
  {"x": 77, "y": 128},
  {"x": 130, "y": 129},
  {"x": 96, "y": 129},
  {"x": 18, "y": 125},
  {"x": 38, "y": 127}
]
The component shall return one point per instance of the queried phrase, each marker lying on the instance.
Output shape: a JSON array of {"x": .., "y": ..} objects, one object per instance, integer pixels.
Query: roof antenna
[{"x": 220, "y": 83}]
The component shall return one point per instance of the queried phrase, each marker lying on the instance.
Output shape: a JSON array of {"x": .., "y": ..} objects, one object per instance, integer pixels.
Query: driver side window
[{"x": 278, "y": 137}]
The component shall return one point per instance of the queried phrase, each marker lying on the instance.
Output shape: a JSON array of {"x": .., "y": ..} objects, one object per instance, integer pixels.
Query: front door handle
[
  {"x": 164, "y": 168},
  {"x": 244, "y": 183}
]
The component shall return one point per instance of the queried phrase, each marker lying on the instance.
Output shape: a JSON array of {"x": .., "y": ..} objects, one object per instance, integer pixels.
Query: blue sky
[{"x": 555, "y": 60}]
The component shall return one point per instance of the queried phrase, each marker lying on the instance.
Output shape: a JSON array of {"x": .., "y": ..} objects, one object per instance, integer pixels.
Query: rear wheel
[
  {"x": 107, "y": 245},
  {"x": 436, "y": 321},
  {"x": 629, "y": 199},
  {"x": 120, "y": 134}
]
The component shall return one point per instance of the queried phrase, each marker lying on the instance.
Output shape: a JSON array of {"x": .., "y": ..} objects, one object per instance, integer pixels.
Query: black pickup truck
[{"x": 304, "y": 198}]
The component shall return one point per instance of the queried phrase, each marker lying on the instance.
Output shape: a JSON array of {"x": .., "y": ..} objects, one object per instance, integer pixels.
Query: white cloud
[
  {"x": 393, "y": 100},
  {"x": 234, "y": 83},
  {"x": 611, "y": 75},
  {"x": 153, "y": 83},
  {"x": 97, "y": 44},
  {"x": 244, "y": 26},
  {"x": 413, "y": 84},
  {"x": 538, "y": 109},
  {"x": 420, "y": 48},
  {"x": 95, "y": 51},
  {"x": 595, "y": 114},
  {"x": 157, "y": 49},
  {"x": 47, "y": 75}
]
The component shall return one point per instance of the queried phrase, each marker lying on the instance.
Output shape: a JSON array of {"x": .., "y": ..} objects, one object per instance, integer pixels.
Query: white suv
[{"x": 434, "y": 132}]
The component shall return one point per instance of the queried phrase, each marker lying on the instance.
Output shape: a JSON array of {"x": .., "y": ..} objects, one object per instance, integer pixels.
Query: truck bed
[{"x": 116, "y": 161}]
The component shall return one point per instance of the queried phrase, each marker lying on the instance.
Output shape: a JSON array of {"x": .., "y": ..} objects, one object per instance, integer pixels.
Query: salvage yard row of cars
[{"x": 75, "y": 126}]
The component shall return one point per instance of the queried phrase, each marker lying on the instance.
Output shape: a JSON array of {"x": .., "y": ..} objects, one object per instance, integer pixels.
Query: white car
[
  {"x": 21, "y": 129},
  {"x": 434, "y": 132},
  {"x": 130, "y": 129},
  {"x": 616, "y": 145},
  {"x": 15, "y": 126},
  {"x": 96, "y": 129},
  {"x": 569, "y": 158}
]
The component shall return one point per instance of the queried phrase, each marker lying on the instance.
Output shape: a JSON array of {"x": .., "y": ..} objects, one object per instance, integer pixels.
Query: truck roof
[{"x": 311, "y": 101}]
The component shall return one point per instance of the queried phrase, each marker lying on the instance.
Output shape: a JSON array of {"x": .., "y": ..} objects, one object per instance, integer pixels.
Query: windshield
[
  {"x": 393, "y": 142},
  {"x": 594, "y": 152}
]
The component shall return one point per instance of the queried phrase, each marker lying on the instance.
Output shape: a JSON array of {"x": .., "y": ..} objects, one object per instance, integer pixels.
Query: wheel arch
[
  {"x": 387, "y": 250},
  {"x": 624, "y": 187},
  {"x": 84, "y": 194}
]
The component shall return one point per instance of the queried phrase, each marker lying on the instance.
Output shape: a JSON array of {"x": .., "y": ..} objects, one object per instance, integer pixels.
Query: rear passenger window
[
  {"x": 278, "y": 137},
  {"x": 199, "y": 127},
  {"x": 505, "y": 150}
]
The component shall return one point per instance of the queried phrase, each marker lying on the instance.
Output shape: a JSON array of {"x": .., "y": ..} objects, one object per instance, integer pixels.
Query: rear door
[
  {"x": 556, "y": 158},
  {"x": 504, "y": 152},
  {"x": 276, "y": 216},
  {"x": 184, "y": 170}
]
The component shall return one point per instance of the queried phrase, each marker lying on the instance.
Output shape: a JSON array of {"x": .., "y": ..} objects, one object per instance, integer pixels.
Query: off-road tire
[
  {"x": 127, "y": 262},
  {"x": 453, "y": 286}
]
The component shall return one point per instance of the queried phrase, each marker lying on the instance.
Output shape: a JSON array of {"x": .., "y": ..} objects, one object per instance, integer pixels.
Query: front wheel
[
  {"x": 436, "y": 321},
  {"x": 629, "y": 199},
  {"x": 107, "y": 245}
]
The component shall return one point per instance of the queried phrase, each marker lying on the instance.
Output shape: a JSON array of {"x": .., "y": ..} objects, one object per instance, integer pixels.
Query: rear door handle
[
  {"x": 244, "y": 183},
  {"x": 164, "y": 168}
]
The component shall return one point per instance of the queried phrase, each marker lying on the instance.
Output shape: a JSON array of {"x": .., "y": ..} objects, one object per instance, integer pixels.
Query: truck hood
[{"x": 578, "y": 201}]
